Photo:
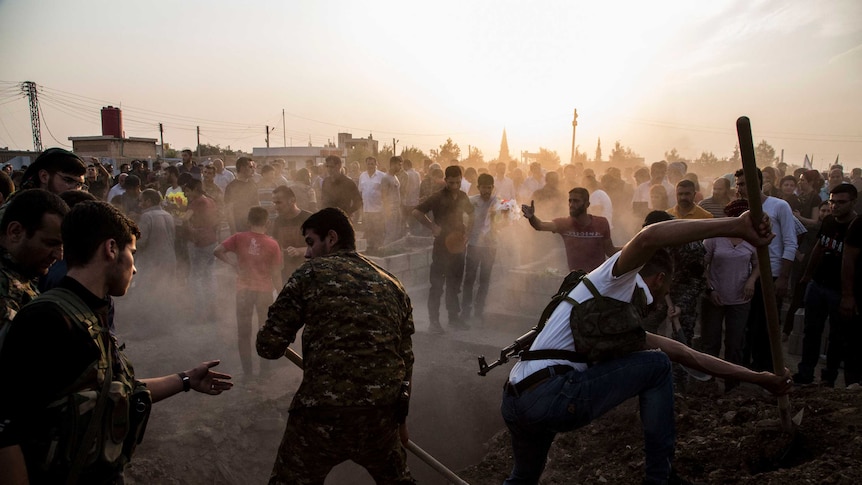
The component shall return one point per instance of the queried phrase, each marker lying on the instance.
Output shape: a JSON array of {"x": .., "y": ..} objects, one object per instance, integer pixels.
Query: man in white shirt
[
  {"x": 657, "y": 173},
  {"x": 504, "y": 187},
  {"x": 548, "y": 392},
  {"x": 782, "y": 251},
  {"x": 222, "y": 176},
  {"x": 373, "y": 223}
]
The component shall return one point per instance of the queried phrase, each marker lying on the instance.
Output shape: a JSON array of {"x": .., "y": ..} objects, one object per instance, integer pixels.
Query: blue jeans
[{"x": 568, "y": 401}]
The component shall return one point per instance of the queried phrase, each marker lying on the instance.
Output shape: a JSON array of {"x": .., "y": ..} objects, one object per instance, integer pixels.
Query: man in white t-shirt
[
  {"x": 373, "y": 221},
  {"x": 544, "y": 397}
]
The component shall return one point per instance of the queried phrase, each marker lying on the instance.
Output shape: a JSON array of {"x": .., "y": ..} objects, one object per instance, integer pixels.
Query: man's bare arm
[
  {"x": 13, "y": 466},
  {"x": 674, "y": 233},
  {"x": 530, "y": 213},
  {"x": 682, "y": 354}
]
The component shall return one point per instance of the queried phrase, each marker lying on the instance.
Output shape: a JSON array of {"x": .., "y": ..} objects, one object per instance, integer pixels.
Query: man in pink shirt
[
  {"x": 257, "y": 260},
  {"x": 587, "y": 238}
]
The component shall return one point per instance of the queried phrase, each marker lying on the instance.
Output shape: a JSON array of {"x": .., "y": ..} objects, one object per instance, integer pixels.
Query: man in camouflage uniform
[
  {"x": 30, "y": 243},
  {"x": 358, "y": 359}
]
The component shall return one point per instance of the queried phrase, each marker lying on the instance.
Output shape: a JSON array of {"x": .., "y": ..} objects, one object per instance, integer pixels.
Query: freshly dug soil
[{"x": 730, "y": 438}]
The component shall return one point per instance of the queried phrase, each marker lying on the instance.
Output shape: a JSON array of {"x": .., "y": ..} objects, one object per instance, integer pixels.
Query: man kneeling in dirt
[
  {"x": 72, "y": 410},
  {"x": 358, "y": 359},
  {"x": 553, "y": 389}
]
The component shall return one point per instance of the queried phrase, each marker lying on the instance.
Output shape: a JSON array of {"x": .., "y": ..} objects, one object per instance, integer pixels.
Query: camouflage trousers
[{"x": 316, "y": 440}]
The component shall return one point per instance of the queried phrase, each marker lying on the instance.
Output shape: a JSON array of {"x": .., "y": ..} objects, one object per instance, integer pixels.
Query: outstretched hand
[
  {"x": 529, "y": 210},
  {"x": 202, "y": 379}
]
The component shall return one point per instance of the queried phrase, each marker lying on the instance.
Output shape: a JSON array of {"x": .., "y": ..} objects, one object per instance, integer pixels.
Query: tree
[
  {"x": 549, "y": 159},
  {"x": 474, "y": 158},
  {"x": 673, "y": 156},
  {"x": 358, "y": 154},
  {"x": 706, "y": 159},
  {"x": 213, "y": 150},
  {"x": 764, "y": 154},
  {"x": 621, "y": 154},
  {"x": 384, "y": 154},
  {"x": 413, "y": 154},
  {"x": 448, "y": 154},
  {"x": 736, "y": 158}
]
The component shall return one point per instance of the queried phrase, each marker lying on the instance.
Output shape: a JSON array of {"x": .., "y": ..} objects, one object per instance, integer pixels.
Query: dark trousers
[
  {"x": 757, "y": 354},
  {"x": 822, "y": 303},
  {"x": 447, "y": 269},
  {"x": 480, "y": 260}
]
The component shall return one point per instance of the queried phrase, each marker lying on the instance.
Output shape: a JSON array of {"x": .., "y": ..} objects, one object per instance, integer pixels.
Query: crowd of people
[{"x": 76, "y": 233}]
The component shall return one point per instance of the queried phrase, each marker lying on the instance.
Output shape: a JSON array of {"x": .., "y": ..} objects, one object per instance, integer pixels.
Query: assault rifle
[{"x": 521, "y": 344}]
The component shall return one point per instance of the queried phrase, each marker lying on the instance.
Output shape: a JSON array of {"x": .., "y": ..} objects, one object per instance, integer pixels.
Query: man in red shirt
[
  {"x": 257, "y": 260},
  {"x": 587, "y": 238}
]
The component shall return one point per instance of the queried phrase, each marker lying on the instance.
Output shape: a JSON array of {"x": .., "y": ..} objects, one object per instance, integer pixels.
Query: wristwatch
[{"x": 187, "y": 383}]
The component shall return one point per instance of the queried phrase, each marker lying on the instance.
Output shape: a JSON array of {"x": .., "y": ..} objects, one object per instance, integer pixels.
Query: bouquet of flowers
[
  {"x": 176, "y": 202},
  {"x": 508, "y": 208}
]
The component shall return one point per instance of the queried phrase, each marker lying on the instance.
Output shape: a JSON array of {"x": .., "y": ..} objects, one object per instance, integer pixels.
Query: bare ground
[{"x": 233, "y": 438}]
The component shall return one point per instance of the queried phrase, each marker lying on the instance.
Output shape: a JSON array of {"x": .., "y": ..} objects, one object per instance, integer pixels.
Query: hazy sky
[{"x": 653, "y": 75}]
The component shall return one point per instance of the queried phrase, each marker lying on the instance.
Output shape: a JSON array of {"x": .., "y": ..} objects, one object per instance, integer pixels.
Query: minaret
[
  {"x": 599, "y": 150},
  {"x": 574, "y": 127},
  {"x": 504, "y": 149}
]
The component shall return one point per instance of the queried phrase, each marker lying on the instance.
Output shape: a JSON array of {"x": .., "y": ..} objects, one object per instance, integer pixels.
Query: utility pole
[
  {"x": 29, "y": 88},
  {"x": 283, "y": 128},
  {"x": 162, "y": 139},
  {"x": 574, "y": 127},
  {"x": 267, "y": 136},
  {"x": 394, "y": 141},
  {"x": 199, "y": 142}
]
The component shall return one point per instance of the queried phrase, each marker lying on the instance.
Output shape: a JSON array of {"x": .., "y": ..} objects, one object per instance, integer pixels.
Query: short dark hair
[
  {"x": 88, "y": 225},
  {"x": 582, "y": 192},
  {"x": 660, "y": 262},
  {"x": 257, "y": 216},
  {"x": 243, "y": 162},
  {"x": 452, "y": 171},
  {"x": 53, "y": 160},
  {"x": 741, "y": 173},
  {"x": 334, "y": 159},
  {"x": 193, "y": 184},
  {"x": 845, "y": 188},
  {"x": 485, "y": 179},
  {"x": 7, "y": 186},
  {"x": 152, "y": 196},
  {"x": 787, "y": 178},
  {"x": 131, "y": 182},
  {"x": 284, "y": 189},
  {"x": 656, "y": 216},
  {"x": 172, "y": 170},
  {"x": 28, "y": 208},
  {"x": 687, "y": 184},
  {"x": 332, "y": 219},
  {"x": 75, "y": 197},
  {"x": 396, "y": 159}
]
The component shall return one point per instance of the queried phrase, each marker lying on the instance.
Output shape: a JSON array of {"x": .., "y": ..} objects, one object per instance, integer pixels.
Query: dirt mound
[{"x": 734, "y": 438}]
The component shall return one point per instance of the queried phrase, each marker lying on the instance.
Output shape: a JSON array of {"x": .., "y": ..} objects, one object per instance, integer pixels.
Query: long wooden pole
[
  {"x": 754, "y": 190},
  {"x": 411, "y": 446}
]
